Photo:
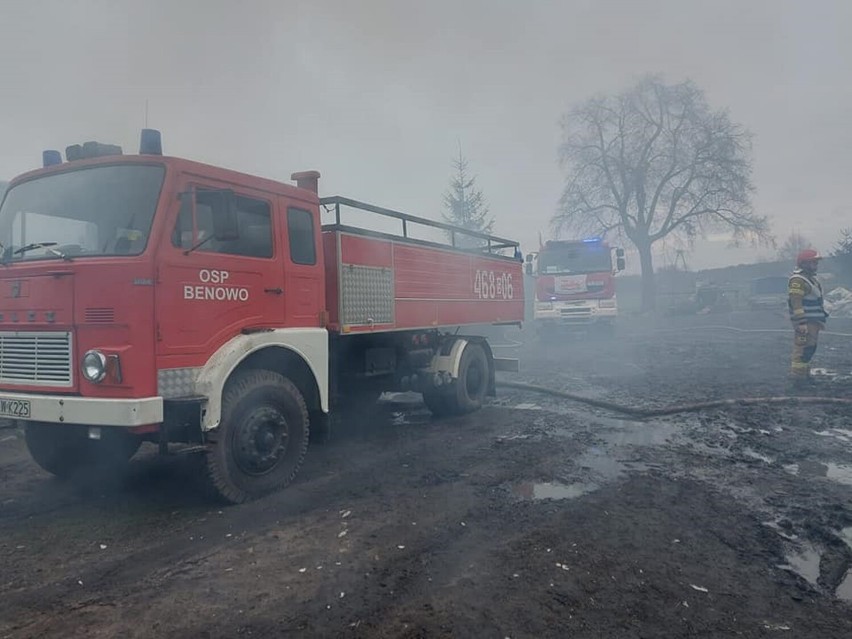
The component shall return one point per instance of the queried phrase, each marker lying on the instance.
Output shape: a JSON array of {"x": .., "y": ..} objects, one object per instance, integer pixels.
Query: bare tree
[
  {"x": 655, "y": 161},
  {"x": 794, "y": 243},
  {"x": 465, "y": 205}
]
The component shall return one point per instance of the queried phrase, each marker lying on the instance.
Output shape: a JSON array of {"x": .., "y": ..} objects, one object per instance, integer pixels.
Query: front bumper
[
  {"x": 575, "y": 314},
  {"x": 86, "y": 411}
]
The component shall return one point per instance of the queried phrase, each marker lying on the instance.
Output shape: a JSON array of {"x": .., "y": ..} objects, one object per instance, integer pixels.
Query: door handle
[{"x": 274, "y": 291}]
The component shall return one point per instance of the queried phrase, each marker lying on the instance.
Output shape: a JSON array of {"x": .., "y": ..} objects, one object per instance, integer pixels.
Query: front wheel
[{"x": 262, "y": 438}]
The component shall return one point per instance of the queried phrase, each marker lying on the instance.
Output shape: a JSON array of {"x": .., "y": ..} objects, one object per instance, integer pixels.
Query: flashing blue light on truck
[
  {"x": 592, "y": 240},
  {"x": 51, "y": 157},
  {"x": 150, "y": 142}
]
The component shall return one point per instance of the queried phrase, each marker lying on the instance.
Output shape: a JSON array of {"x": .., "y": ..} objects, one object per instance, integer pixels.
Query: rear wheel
[
  {"x": 468, "y": 392},
  {"x": 262, "y": 438},
  {"x": 64, "y": 450}
]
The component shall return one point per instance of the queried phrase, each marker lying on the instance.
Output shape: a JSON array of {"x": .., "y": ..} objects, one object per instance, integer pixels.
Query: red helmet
[{"x": 808, "y": 255}]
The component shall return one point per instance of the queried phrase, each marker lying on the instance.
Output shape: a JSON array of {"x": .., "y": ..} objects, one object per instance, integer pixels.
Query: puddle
[
  {"x": 804, "y": 563},
  {"x": 533, "y": 491},
  {"x": 841, "y": 473},
  {"x": 642, "y": 434},
  {"x": 625, "y": 432},
  {"x": 600, "y": 462}
]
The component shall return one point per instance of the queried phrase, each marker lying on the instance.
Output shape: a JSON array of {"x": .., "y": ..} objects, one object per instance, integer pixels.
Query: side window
[
  {"x": 254, "y": 221},
  {"x": 300, "y": 230}
]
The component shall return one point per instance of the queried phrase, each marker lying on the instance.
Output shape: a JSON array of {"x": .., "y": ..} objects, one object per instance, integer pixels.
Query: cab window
[
  {"x": 300, "y": 231},
  {"x": 254, "y": 222}
]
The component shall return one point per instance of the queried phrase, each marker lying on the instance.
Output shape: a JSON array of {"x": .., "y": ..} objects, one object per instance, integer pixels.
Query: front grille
[
  {"x": 34, "y": 358},
  {"x": 572, "y": 312}
]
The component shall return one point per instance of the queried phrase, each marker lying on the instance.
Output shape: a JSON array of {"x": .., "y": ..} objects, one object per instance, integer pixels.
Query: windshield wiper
[
  {"x": 198, "y": 245},
  {"x": 47, "y": 246}
]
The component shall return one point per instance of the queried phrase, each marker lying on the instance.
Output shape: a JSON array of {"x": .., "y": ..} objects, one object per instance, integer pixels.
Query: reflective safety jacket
[{"x": 805, "y": 298}]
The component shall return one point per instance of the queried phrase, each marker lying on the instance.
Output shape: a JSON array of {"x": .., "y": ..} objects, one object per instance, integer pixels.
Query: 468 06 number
[{"x": 488, "y": 285}]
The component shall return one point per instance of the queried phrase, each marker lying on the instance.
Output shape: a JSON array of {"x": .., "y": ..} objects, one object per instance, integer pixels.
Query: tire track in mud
[{"x": 151, "y": 563}]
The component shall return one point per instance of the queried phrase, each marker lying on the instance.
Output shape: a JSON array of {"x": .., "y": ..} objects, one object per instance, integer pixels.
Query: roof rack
[{"x": 492, "y": 242}]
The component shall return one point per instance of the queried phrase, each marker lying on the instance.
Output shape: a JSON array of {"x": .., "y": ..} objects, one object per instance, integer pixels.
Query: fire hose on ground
[{"x": 646, "y": 413}]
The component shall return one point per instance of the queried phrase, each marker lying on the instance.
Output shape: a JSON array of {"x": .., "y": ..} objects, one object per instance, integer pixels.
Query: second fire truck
[{"x": 575, "y": 283}]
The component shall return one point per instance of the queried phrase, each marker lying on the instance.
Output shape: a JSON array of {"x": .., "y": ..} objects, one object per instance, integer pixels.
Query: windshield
[
  {"x": 580, "y": 258},
  {"x": 102, "y": 210}
]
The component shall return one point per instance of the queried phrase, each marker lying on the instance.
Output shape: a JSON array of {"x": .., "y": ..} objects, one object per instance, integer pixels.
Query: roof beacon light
[
  {"x": 592, "y": 240},
  {"x": 150, "y": 142},
  {"x": 51, "y": 157}
]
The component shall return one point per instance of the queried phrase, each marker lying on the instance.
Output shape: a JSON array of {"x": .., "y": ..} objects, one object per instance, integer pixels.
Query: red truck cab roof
[{"x": 175, "y": 165}]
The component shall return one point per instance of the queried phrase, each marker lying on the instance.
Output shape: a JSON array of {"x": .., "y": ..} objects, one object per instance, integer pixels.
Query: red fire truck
[
  {"x": 575, "y": 283},
  {"x": 154, "y": 298}
]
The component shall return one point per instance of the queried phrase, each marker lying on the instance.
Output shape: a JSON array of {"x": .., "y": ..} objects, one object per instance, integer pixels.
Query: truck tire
[
  {"x": 468, "y": 392},
  {"x": 63, "y": 450},
  {"x": 262, "y": 438}
]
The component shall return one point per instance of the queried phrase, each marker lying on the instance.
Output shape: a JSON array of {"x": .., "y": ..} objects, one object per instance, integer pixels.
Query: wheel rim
[{"x": 260, "y": 442}]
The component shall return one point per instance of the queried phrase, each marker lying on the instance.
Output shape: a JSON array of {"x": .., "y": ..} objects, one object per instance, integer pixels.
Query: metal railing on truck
[{"x": 491, "y": 243}]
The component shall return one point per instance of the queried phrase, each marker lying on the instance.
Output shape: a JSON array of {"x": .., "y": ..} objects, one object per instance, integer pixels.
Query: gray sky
[{"x": 377, "y": 94}]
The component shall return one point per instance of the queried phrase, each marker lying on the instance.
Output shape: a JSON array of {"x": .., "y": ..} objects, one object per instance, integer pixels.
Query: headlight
[
  {"x": 94, "y": 366},
  {"x": 544, "y": 306},
  {"x": 607, "y": 304}
]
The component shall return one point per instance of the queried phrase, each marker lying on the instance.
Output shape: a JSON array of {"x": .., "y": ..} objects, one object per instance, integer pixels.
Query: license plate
[{"x": 18, "y": 408}]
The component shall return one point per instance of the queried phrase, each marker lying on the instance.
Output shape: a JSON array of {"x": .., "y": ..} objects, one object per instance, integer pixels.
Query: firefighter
[{"x": 807, "y": 312}]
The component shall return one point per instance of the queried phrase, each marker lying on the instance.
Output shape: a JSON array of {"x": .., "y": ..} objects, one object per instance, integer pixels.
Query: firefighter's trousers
[{"x": 804, "y": 347}]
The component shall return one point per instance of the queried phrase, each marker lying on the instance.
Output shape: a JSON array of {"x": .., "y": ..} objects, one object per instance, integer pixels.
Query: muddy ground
[{"x": 533, "y": 518}]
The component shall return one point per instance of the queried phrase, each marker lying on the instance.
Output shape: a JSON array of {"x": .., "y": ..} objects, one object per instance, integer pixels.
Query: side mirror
[
  {"x": 620, "y": 264},
  {"x": 222, "y": 211}
]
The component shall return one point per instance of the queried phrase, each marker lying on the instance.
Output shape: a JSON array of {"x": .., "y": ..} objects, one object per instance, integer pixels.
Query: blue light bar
[
  {"x": 591, "y": 240},
  {"x": 150, "y": 143},
  {"x": 51, "y": 157}
]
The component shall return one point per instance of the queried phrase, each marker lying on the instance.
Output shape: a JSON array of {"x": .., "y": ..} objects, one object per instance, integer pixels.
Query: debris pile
[{"x": 838, "y": 302}]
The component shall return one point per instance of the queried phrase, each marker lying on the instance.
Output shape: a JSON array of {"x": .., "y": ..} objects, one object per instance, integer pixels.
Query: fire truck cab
[
  {"x": 146, "y": 297},
  {"x": 575, "y": 283}
]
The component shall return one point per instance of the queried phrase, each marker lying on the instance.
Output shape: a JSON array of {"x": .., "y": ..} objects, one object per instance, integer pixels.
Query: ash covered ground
[{"x": 536, "y": 517}]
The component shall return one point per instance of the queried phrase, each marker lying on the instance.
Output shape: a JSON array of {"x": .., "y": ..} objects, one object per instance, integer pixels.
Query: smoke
[{"x": 377, "y": 94}]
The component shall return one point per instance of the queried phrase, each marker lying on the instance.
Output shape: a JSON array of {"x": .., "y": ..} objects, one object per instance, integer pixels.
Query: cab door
[
  {"x": 304, "y": 297},
  {"x": 211, "y": 286}
]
